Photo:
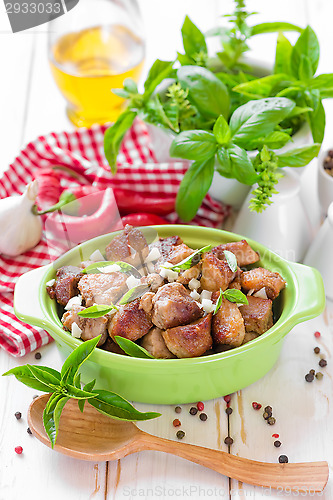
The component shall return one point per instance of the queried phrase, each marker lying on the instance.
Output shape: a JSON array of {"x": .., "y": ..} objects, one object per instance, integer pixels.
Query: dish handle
[
  {"x": 311, "y": 293},
  {"x": 26, "y": 298}
]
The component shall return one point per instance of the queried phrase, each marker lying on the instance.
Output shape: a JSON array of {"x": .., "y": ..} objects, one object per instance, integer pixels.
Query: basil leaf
[
  {"x": 130, "y": 86},
  {"x": 115, "y": 406},
  {"x": 56, "y": 416},
  {"x": 187, "y": 262},
  {"x": 48, "y": 416},
  {"x": 219, "y": 302},
  {"x": 274, "y": 140},
  {"x": 231, "y": 260},
  {"x": 88, "y": 387},
  {"x": 157, "y": 73},
  {"x": 96, "y": 311},
  {"x": 283, "y": 55},
  {"x": 258, "y": 118},
  {"x": 193, "y": 188},
  {"x": 77, "y": 381},
  {"x": 234, "y": 295},
  {"x": 132, "y": 349},
  {"x": 299, "y": 157},
  {"x": 75, "y": 393},
  {"x": 205, "y": 91},
  {"x": 242, "y": 166},
  {"x": 153, "y": 112},
  {"x": 322, "y": 82},
  {"x": 23, "y": 374},
  {"x": 305, "y": 69},
  {"x": 317, "y": 123},
  {"x": 261, "y": 87},
  {"x": 121, "y": 93},
  {"x": 224, "y": 166},
  {"x": 76, "y": 358},
  {"x": 45, "y": 376},
  {"x": 133, "y": 293},
  {"x": 221, "y": 130},
  {"x": 308, "y": 45},
  {"x": 114, "y": 136},
  {"x": 193, "y": 40},
  {"x": 258, "y": 29},
  {"x": 193, "y": 145},
  {"x": 124, "y": 267}
]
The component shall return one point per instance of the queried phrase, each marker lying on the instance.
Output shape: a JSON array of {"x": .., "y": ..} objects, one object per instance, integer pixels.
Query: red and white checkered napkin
[{"x": 82, "y": 151}]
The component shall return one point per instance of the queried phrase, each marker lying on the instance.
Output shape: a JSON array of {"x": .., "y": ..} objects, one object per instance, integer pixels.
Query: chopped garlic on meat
[
  {"x": 154, "y": 254},
  {"x": 74, "y": 301},
  {"x": 112, "y": 268},
  {"x": 208, "y": 305},
  {"x": 76, "y": 330},
  {"x": 131, "y": 282},
  {"x": 171, "y": 275},
  {"x": 163, "y": 272},
  {"x": 261, "y": 293},
  {"x": 132, "y": 250},
  {"x": 250, "y": 292},
  {"x": 194, "y": 284},
  {"x": 205, "y": 294},
  {"x": 195, "y": 295},
  {"x": 96, "y": 256},
  {"x": 167, "y": 264},
  {"x": 50, "y": 283}
]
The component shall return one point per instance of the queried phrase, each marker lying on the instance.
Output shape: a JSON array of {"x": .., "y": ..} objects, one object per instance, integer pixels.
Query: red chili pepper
[
  {"x": 49, "y": 188},
  {"x": 131, "y": 201},
  {"x": 80, "y": 228},
  {"x": 143, "y": 219}
]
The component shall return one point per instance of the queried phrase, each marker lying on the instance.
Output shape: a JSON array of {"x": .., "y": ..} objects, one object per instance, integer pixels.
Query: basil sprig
[
  {"x": 66, "y": 385},
  {"x": 132, "y": 349},
  {"x": 231, "y": 260},
  {"x": 134, "y": 293},
  {"x": 188, "y": 261},
  {"x": 231, "y": 294},
  {"x": 124, "y": 267},
  {"x": 97, "y": 311}
]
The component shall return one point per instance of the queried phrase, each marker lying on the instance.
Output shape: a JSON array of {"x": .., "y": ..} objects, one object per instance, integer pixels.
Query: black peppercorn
[
  {"x": 317, "y": 350},
  {"x": 29, "y": 431},
  {"x": 269, "y": 409},
  {"x": 312, "y": 372},
  {"x": 309, "y": 377},
  {"x": 180, "y": 434},
  {"x": 38, "y": 355},
  {"x": 178, "y": 409},
  {"x": 228, "y": 411},
  {"x": 193, "y": 410},
  {"x": 271, "y": 420},
  {"x": 283, "y": 459},
  {"x": 277, "y": 444},
  {"x": 322, "y": 363},
  {"x": 228, "y": 440},
  {"x": 18, "y": 415},
  {"x": 266, "y": 415},
  {"x": 203, "y": 417}
]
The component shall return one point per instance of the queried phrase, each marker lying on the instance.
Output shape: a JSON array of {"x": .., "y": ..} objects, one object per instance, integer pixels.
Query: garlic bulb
[{"x": 20, "y": 229}]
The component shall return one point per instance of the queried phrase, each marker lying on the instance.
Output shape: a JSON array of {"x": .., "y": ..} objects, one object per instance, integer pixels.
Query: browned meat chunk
[
  {"x": 111, "y": 346},
  {"x": 146, "y": 302},
  {"x": 192, "y": 273},
  {"x": 130, "y": 322},
  {"x": 249, "y": 336},
  {"x": 179, "y": 253},
  {"x": 65, "y": 286},
  {"x": 166, "y": 246},
  {"x": 216, "y": 273},
  {"x": 173, "y": 306},
  {"x": 102, "y": 288},
  {"x": 228, "y": 325},
  {"x": 91, "y": 327},
  {"x": 155, "y": 281},
  {"x": 191, "y": 340},
  {"x": 236, "y": 283},
  {"x": 257, "y": 315},
  {"x": 259, "y": 278},
  {"x": 244, "y": 254},
  {"x": 154, "y": 343},
  {"x": 130, "y": 246}
]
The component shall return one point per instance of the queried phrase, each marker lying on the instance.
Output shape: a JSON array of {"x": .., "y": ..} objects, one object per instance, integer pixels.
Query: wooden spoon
[{"x": 97, "y": 437}]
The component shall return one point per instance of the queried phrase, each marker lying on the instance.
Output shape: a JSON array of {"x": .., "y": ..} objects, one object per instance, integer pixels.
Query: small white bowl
[{"x": 325, "y": 184}]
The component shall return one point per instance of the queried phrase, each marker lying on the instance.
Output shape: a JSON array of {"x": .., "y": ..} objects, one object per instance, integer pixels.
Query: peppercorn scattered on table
[{"x": 295, "y": 396}]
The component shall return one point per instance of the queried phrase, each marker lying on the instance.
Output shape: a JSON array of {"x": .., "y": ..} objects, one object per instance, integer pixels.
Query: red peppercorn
[
  {"x": 200, "y": 406},
  {"x": 317, "y": 335},
  {"x": 256, "y": 406},
  {"x": 227, "y": 399},
  {"x": 176, "y": 422},
  {"x": 276, "y": 436},
  {"x": 18, "y": 450}
]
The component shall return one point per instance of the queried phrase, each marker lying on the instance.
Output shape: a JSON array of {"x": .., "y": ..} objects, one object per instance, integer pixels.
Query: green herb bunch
[
  {"x": 66, "y": 384},
  {"x": 220, "y": 113}
]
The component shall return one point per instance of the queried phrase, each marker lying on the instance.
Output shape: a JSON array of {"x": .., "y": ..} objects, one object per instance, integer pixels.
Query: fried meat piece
[
  {"x": 173, "y": 306},
  {"x": 102, "y": 288},
  {"x": 257, "y": 314},
  {"x": 155, "y": 281},
  {"x": 228, "y": 325},
  {"x": 65, "y": 286},
  {"x": 186, "y": 276},
  {"x": 154, "y": 343},
  {"x": 249, "y": 336},
  {"x": 179, "y": 253},
  {"x": 191, "y": 340},
  {"x": 146, "y": 302},
  {"x": 259, "y": 278},
  {"x": 244, "y": 254},
  {"x": 166, "y": 246},
  {"x": 111, "y": 346},
  {"x": 129, "y": 246},
  {"x": 216, "y": 273},
  {"x": 91, "y": 327},
  {"x": 130, "y": 322}
]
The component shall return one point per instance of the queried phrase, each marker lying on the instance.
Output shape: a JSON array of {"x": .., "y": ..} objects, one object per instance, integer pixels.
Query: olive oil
[{"x": 87, "y": 64}]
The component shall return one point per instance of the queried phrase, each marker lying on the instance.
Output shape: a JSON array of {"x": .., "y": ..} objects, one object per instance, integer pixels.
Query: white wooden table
[{"x": 30, "y": 104}]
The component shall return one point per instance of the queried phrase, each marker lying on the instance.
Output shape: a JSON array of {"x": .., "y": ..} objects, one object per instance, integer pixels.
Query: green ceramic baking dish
[{"x": 173, "y": 381}]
